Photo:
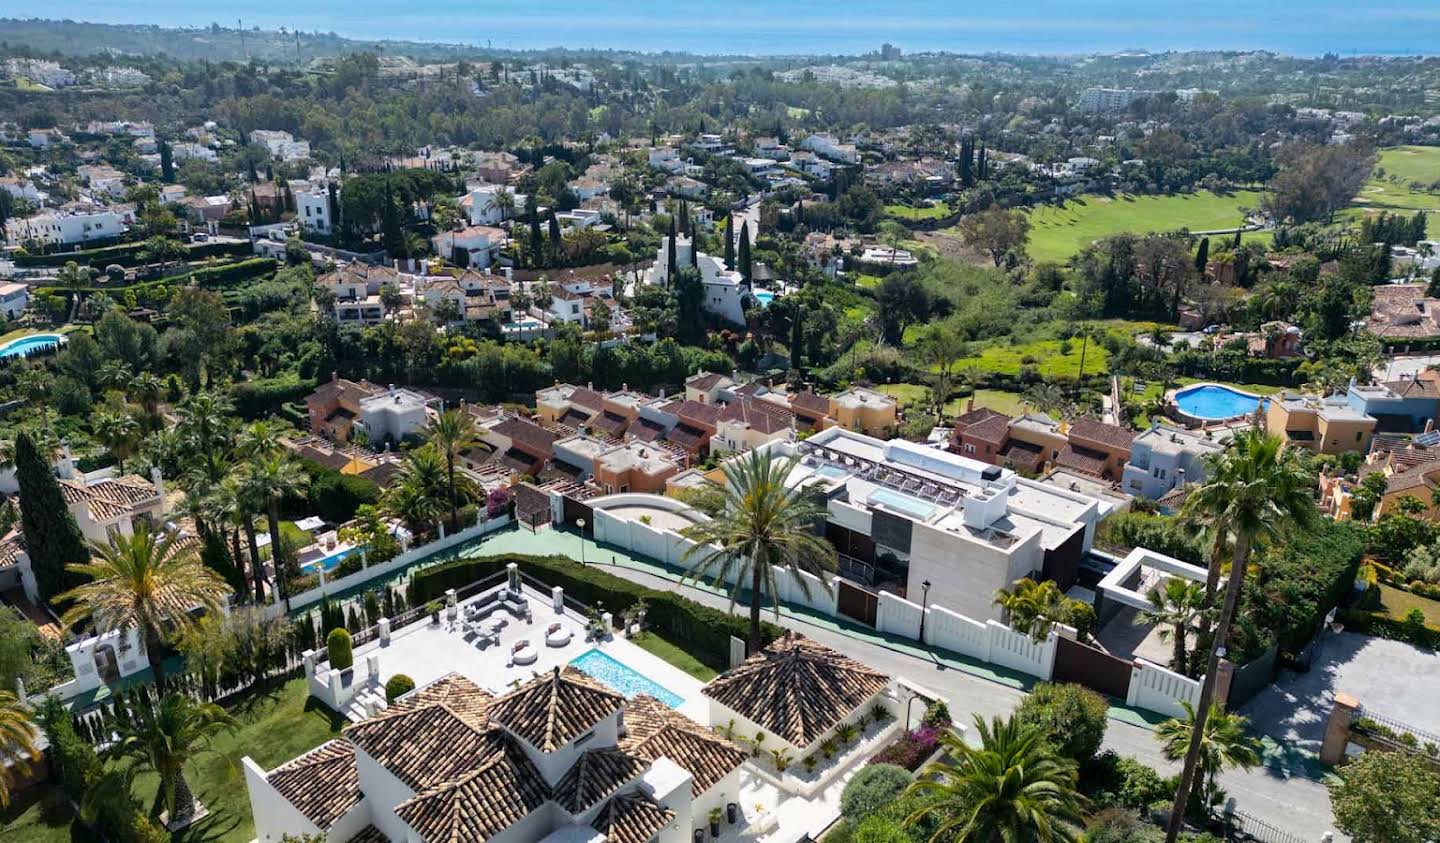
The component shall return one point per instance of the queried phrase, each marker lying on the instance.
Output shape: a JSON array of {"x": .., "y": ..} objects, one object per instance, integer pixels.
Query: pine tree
[
  {"x": 52, "y": 538},
  {"x": 167, "y": 163},
  {"x": 1202, "y": 255},
  {"x": 744, "y": 257},
  {"x": 729, "y": 242},
  {"x": 670, "y": 262}
]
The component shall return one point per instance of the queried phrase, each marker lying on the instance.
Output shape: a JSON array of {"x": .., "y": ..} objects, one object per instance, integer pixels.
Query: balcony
[{"x": 856, "y": 570}]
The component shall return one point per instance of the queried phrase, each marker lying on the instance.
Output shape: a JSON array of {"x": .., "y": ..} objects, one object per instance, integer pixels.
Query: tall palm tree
[
  {"x": 147, "y": 389},
  {"x": 1174, "y": 607},
  {"x": 35, "y": 385},
  {"x": 75, "y": 278},
  {"x": 452, "y": 433},
  {"x": 119, "y": 433},
  {"x": 17, "y": 738},
  {"x": 205, "y": 426},
  {"x": 1224, "y": 744},
  {"x": 1255, "y": 491},
  {"x": 766, "y": 524},
  {"x": 271, "y": 479},
  {"x": 162, "y": 742},
  {"x": 146, "y": 582},
  {"x": 1013, "y": 787},
  {"x": 257, "y": 439},
  {"x": 417, "y": 497}
]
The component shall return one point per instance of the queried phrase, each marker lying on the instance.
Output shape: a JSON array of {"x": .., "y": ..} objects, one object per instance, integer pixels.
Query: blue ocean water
[{"x": 773, "y": 27}]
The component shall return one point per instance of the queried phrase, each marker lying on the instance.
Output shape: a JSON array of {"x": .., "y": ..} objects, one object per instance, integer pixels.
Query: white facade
[
  {"x": 393, "y": 415},
  {"x": 829, "y": 147},
  {"x": 312, "y": 208},
  {"x": 55, "y": 227},
  {"x": 14, "y": 298},
  {"x": 480, "y": 243},
  {"x": 725, "y": 289},
  {"x": 1166, "y": 457},
  {"x": 281, "y": 145},
  {"x": 187, "y": 151},
  {"x": 483, "y": 208}
]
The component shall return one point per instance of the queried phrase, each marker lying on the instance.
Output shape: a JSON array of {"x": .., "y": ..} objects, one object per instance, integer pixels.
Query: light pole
[
  {"x": 924, "y": 604},
  {"x": 580, "y": 522}
]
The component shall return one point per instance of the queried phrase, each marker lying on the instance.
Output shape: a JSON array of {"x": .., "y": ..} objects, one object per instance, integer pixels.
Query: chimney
[
  {"x": 1429, "y": 425},
  {"x": 970, "y": 404},
  {"x": 334, "y": 375},
  {"x": 158, "y": 479}
]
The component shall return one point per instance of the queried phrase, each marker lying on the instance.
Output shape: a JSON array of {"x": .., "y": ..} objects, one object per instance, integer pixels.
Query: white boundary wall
[{"x": 1158, "y": 689}]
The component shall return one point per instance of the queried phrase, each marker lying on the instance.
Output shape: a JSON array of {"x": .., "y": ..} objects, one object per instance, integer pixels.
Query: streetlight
[
  {"x": 580, "y": 522},
  {"x": 924, "y": 602}
]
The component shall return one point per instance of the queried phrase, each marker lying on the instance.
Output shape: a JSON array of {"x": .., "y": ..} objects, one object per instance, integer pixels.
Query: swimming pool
[
  {"x": 29, "y": 345},
  {"x": 1213, "y": 402},
  {"x": 764, "y": 297},
  {"x": 328, "y": 563},
  {"x": 623, "y": 679},
  {"x": 906, "y": 504}
]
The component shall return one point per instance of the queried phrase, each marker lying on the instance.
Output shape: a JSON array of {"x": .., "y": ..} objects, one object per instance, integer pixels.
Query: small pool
[
  {"x": 828, "y": 470},
  {"x": 764, "y": 297},
  {"x": 29, "y": 345},
  {"x": 1213, "y": 402},
  {"x": 904, "y": 503},
  {"x": 328, "y": 563},
  {"x": 623, "y": 679}
]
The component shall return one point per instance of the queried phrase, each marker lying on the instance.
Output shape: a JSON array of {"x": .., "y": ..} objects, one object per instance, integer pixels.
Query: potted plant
[
  {"x": 699, "y": 836},
  {"x": 809, "y": 763},
  {"x": 846, "y": 732},
  {"x": 732, "y": 812},
  {"x": 781, "y": 758},
  {"x": 433, "y": 607},
  {"x": 715, "y": 816}
]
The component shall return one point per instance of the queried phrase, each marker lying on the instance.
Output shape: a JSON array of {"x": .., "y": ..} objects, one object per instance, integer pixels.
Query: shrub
[
  {"x": 937, "y": 716},
  {"x": 705, "y": 631},
  {"x": 1123, "y": 782},
  {"x": 337, "y": 647},
  {"x": 881, "y": 830},
  {"x": 1072, "y": 717},
  {"x": 871, "y": 789},
  {"x": 911, "y": 749},
  {"x": 335, "y": 496},
  {"x": 1114, "y": 825},
  {"x": 264, "y": 396},
  {"x": 398, "y": 686}
]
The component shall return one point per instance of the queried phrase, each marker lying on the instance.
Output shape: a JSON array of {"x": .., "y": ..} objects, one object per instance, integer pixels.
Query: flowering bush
[{"x": 911, "y": 749}]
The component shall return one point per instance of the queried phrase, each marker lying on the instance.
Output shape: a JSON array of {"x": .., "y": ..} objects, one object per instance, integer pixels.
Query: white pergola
[{"x": 1140, "y": 571}]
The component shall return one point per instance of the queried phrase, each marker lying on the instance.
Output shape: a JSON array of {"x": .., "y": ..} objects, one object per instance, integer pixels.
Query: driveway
[{"x": 1390, "y": 678}]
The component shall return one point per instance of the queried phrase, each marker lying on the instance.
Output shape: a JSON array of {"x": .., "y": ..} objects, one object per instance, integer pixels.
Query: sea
[{"x": 815, "y": 27}]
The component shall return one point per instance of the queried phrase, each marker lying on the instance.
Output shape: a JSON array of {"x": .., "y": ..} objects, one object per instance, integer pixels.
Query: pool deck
[
  {"x": 1172, "y": 398},
  {"x": 425, "y": 652}
]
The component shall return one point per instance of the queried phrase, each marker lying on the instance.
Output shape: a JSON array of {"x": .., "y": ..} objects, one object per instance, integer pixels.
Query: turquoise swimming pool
[
  {"x": 904, "y": 503},
  {"x": 328, "y": 563},
  {"x": 623, "y": 679},
  {"x": 28, "y": 345},
  {"x": 1213, "y": 402}
]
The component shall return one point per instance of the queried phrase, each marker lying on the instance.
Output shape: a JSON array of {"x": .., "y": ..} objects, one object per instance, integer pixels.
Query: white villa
[{"x": 725, "y": 289}]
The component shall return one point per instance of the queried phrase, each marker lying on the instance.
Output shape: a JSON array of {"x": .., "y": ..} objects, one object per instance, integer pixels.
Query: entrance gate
[
  {"x": 1085, "y": 665},
  {"x": 856, "y": 603}
]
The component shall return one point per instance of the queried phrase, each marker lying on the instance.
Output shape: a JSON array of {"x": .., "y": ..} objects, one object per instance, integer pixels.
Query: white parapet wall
[{"x": 1158, "y": 689}]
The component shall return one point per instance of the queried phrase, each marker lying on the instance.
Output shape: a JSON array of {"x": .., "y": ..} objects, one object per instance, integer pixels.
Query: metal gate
[
  {"x": 856, "y": 603},
  {"x": 1085, "y": 665}
]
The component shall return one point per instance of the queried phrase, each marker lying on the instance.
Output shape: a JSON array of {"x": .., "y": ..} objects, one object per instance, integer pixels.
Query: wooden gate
[
  {"x": 1085, "y": 665},
  {"x": 856, "y": 603}
]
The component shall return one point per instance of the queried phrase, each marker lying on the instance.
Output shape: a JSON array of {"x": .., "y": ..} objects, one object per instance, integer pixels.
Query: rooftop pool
[
  {"x": 1213, "y": 402},
  {"x": 28, "y": 345},
  {"x": 623, "y": 679}
]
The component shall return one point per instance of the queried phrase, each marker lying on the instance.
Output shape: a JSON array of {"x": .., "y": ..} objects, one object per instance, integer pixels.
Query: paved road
[{"x": 1285, "y": 798}]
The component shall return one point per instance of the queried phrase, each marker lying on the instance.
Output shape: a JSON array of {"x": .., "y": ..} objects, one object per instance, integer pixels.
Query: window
[
  {"x": 970, "y": 449},
  {"x": 1358, "y": 434}
]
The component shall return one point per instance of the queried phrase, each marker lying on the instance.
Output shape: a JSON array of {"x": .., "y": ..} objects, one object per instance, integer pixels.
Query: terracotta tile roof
[
  {"x": 611, "y": 423},
  {"x": 370, "y": 834},
  {"x": 704, "y": 381},
  {"x": 491, "y": 793},
  {"x": 984, "y": 424},
  {"x": 1106, "y": 434},
  {"x": 113, "y": 498},
  {"x": 653, "y": 729},
  {"x": 631, "y": 818},
  {"x": 383, "y": 474},
  {"x": 1415, "y": 388},
  {"x": 1423, "y": 476},
  {"x": 797, "y": 688},
  {"x": 330, "y": 459},
  {"x": 467, "y": 700},
  {"x": 423, "y": 745},
  {"x": 587, "y": 398},
  {"x": 1023, "y": 454},
  {"x": 705, "y": 414},
  {"x": 646, "y": 430},
  {"x": 811, "y": 402},
  {"x": 759, "y": 415},
  {"x": 684, "y": 435},
  {"x": 322, "y": 784},
  {"x": 11, "y": 546},
  {"x": 596, "y": 775},
  {"x": 528, "y": 433},
  {"x": 550, "y": 711},
  {"x": 575, "y": 417},
  {"x": 1082, "y": 459}
]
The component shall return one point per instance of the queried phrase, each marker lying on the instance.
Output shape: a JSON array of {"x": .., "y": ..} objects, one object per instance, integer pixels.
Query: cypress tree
[
  {"x": 967, "y": 176},
  {"x": 334, "y": 202},
  {"x": 555, "y": 240},
  {"x": 167, "y": 163},
  {"x": 694, "y": 244},
  {"x": 797, "y": 337},
  {"x": 1202, "y": 255},
  {"x": 744, "y": 257},
  {"x": 685, "y": 218},
  {"x": 1238, "y": 232},
  {"x": 536, "y": 244},
  {"x": 670, "y": 264},
  {"x": 729, "y": 241},
  {"x": 52, "y": 538}
]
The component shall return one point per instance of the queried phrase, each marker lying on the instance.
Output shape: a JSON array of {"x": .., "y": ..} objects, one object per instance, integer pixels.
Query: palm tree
[
  {"x": 114, "y": 374},
  {"x": 765, "y": 524},
  {"x": 119, "y": 433},
  {"x": 272, "y": 478},
  {"x": 35, "y": 385},
  {"x": 1013, "y": 787},
  {"x": 162, "y": 742},
  {"x": 452, "y": 433},
  {"x": 17, "y": 738},
  {"x": 504, "y": 202},
  {"x": 1257, "y": 489},
  {"x": 1033, "y": 608},
  {"x": 1174, "y": 607},
  {"x": 145, "y": 582},
  {"x": 205, "y": 427},
  {"x": 147, "y": 389},
  {"x": 75, "y": 278},
  {"x": 1224, "y": 744},
  {"x": 417, "y": 497}
]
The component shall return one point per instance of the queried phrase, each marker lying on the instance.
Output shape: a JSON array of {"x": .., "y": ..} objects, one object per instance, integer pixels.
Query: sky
[{"x": 1302, "y": 27}]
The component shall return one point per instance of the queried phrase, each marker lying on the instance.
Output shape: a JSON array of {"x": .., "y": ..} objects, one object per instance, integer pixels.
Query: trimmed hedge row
[
  {"x": 1384, "y": 626},
  {"x": 128, "y": 254},
  {"x": 704, "y": 631},
  {"x": 214, "y": 276},
  {"x": 264, "y": 396}
]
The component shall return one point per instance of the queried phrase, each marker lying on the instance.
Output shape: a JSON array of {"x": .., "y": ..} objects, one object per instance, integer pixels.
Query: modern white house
[
  {"x": 281, "y": 145},
  {"x": 902, "y": 515},
  {"x": 65, "y": 227},
  {"x": 828, "y": 147},
  {"x": 1167, "y": 456},
  {"x": 14, "y": 298},
  {"x": 393, "y": 414},
  {"x": 478, "y": 245},
  {"x": 725, "y": 289},
  {"x": 483, "y": 208},
  {"x": 312, "y": 208}
]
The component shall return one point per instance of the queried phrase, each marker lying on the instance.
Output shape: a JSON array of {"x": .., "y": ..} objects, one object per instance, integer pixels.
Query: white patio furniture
[
  {"x": 524, "y": 653},
  {"x": 557, "y": 638}
]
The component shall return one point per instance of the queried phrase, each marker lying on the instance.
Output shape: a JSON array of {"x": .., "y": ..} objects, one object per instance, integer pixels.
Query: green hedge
[
  {"x": 128, "y": 254},
  {"x": 1384, "y": 626},
  {"x": 265, "y": 396},
  {"x": 214, "y": 277},
  {"x": 335, "y": 496},
  {"x": 704, "y": 631},
  {"x": 1301, "y": 579}
]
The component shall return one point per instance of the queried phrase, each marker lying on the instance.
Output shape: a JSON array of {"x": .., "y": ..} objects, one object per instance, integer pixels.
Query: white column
[
  {"x": 609, "y": 621},
  {"x": 384, "y": 624},
  {"x": 451, "y": 610},
  {"x": 557, "y": 599},
  {"x": 372, "y": 666},
  {"x": 309, "y": 657},
  {"x": 512, "y": 574},
  {"x": 364, "y": 559}
]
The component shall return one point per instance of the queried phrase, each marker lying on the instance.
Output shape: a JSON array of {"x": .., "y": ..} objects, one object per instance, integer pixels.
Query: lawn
[
  {"x": 37, "y": 815},
  {"x": 1397, "y": 603},
  {"x": 1051, "y": 358},
  {"x": 1402, "y": 167},
  {"x": 274, "y": 728},
  {"x": 910, "y": 394},
  {"x": 676, "y": 655},
  {"x": 863, "y": 280},
  {"x": 933, "y": 211},
  {"x": 1058, "y": 233}
]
